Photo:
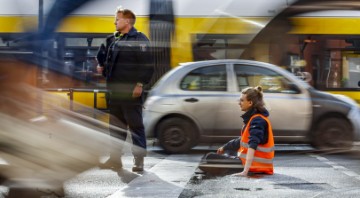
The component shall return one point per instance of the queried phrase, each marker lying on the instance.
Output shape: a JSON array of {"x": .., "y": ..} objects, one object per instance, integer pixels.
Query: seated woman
[{"x": 253, "y": 151}]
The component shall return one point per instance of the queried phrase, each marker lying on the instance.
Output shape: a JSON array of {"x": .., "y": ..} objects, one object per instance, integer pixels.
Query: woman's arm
[
  {"x": 232, "y": 145},
  {"x": 249, "y": 160}
]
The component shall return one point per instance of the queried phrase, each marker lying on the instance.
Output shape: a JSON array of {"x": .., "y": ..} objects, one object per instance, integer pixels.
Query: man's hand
[
  {"x": 137, "y": 91},
  {"x": 99, "y": 69}
]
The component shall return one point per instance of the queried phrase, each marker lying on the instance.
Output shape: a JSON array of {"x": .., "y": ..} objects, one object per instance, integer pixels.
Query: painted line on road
[
  {"x": 337, "y": 167},
  {"x": 166, "y": 179}
]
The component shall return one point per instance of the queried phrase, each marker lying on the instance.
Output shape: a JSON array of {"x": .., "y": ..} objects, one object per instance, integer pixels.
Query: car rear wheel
[
  {"x": 333, "y": 133},
  {"x": 176, "y": 135}
]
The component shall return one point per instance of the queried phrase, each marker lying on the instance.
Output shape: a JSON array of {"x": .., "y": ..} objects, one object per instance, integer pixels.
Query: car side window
[
  {"x": 269, "y": 80},
  {"x": 209, "y": 78}
]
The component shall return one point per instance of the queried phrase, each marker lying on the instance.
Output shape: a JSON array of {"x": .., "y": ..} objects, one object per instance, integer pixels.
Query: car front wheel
[
  {"x": 333, "y": 133},
  {"x": 176, "y": 135}
]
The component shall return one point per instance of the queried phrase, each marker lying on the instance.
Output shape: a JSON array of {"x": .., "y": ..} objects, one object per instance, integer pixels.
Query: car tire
[
  {"x": 176, "y": 135},
  {"x": 333, "y": 133}
]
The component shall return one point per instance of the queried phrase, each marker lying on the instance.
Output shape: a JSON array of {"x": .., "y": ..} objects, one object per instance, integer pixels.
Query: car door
[
  {"x": 202, "y": 90},
  {"x": 289, "y": 107}
]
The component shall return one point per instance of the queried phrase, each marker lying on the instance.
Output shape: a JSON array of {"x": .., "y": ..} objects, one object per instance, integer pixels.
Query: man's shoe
[
  {"x": 138, "y": 164},
  {"x": 111, "y": 164}
]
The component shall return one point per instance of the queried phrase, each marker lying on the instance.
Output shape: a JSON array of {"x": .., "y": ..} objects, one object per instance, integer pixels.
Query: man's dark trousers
[{"x": 129, "y": 115}]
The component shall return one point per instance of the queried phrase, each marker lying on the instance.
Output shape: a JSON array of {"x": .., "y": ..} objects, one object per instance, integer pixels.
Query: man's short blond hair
[{"x": 128, "y": 14}]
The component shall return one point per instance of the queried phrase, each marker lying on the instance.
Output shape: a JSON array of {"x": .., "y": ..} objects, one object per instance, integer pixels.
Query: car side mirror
[{"x": 359, "y": 83}]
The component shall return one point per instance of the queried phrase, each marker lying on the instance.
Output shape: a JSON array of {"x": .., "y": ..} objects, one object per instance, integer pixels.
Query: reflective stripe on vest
[
  {"x": 259, "y": 148},
  {"x": 257, "y": 159}
]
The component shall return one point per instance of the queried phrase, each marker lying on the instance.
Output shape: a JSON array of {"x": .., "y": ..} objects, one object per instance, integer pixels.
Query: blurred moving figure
[
  {"x": 57, "y": 13},
  {"x": 59, "y": 10},
  {"x": 128, "y": 67},
  {"x": 39, "y": 42},
  {"x": 162, "y": 30},
  {"x": 255, "y": 147},
  {"x": 43, "y": 144}
]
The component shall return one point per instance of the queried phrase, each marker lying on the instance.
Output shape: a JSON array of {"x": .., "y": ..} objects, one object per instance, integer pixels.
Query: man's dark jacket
[{"x": 129, "y": 61}]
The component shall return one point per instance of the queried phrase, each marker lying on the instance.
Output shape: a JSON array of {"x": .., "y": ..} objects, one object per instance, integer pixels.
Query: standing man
[{"x": 128, "y": 67}]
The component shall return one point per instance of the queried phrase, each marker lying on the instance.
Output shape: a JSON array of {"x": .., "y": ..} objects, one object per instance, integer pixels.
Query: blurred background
[
  {"x": 316, "y": 40},
  {"x": 48, "y": 65}
]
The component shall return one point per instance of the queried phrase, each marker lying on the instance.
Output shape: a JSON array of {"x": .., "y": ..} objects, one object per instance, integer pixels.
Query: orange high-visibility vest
[{"x": 264, "y": 154}]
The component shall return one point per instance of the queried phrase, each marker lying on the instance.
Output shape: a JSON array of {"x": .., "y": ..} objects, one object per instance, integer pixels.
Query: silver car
[{"x": 198, "y": 102}]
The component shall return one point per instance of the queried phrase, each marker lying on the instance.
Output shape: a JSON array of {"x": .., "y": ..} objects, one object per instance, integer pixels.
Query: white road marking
[
  {"x": 166, "y": 179},
  {"x": 336, "y": 166}
]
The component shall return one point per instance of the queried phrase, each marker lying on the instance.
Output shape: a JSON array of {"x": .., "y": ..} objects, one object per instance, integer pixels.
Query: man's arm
[
  {"x": 145, "y": 65},
  {"x": 102, "y": 55},
  {"x": 145, "y": 60},
  {"x": 101, "y": 58}
]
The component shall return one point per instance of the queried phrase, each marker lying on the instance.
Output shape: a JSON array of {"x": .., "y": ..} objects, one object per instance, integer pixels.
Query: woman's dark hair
[{"x": 255, "y": 95}]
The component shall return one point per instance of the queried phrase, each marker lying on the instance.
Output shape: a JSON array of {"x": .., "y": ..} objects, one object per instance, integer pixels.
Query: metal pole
[
  {"x": 40, "y": 73},
  {"x": 41, "y": 15}
]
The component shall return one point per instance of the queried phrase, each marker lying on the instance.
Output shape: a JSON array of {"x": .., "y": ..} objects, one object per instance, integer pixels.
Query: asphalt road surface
[{"x": 300, "y": 171}]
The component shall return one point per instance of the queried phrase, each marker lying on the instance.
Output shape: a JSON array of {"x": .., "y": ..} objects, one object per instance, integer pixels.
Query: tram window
[
  {"x": 324, "y": 61},
  {"x": 351, "y": 76},
  {"x": 219, "y": 46},
  {"x": 2, "y": 43},
  {"x": 7, "y": 42},
  {"x": 234, "y": 53},
  {"x": 78, "y": 54},
  {"x": 340, "y": 71},
  {"x": 97, "y": 42},
  {"x": 83, "y": 42},
  {"x": 79, "y": 42}
]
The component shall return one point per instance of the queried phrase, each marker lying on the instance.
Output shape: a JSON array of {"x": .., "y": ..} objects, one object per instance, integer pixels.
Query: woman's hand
[
  {"x": 220, "y": 150},
  {"x": 242, "y": 174}
]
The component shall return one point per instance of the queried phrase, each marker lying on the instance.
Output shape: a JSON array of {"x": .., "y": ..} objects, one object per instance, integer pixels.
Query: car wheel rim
[
  {"x": 174, "y": 137},
  {"x": 335, "y": 138}
]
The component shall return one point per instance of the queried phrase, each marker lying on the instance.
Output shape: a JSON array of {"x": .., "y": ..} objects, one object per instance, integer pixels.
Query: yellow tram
[{"x": 322, "y": 44}]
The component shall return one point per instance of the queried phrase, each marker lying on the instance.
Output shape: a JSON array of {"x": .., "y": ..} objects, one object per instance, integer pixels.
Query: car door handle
[{"x": 191, "y": 100}]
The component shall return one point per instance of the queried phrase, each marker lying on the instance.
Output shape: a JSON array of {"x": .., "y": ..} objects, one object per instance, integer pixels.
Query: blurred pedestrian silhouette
[
  {"x": 56, "y": 14},
  {"x": 59, "y": 10}
]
